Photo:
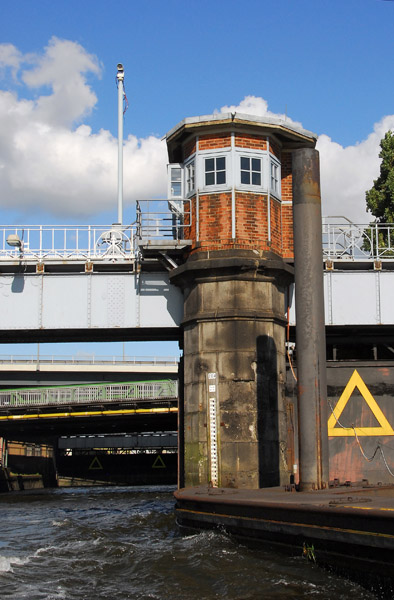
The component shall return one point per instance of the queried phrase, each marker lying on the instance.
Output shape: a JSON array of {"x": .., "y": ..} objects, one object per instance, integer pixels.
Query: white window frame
[
  {"x": 200, "y": 170},
  {"x": 170, "y": 193},
  {"x": 276, "y": 189},
  {"x": 246, "y": 153},
  {"x": 190, "y": 176},
  {"x": 215, "y": 171}
]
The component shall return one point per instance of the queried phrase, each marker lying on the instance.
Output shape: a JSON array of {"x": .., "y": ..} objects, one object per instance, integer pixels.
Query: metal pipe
[
  {"x": 310, "y": 325},
  {"x": 233, "y": 216},
  {"x": 269, "y": 193},
  {"x": 120, "y": 78},
  {"x": 196, "y": 182}
]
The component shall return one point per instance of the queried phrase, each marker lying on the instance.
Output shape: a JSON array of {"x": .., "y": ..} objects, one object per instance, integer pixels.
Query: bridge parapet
[
  {"x": 159, "y": 226},
  {"x": 89, "y": 394},
  {"x": 72, "y": 361},
  {"x": 52, "y": 243}
]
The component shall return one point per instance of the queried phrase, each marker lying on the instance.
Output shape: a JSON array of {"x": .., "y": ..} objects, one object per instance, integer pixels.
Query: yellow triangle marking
[
  {"x": 95, "y": 465},
  {"x": 336, "y": 430},
  {"x": 159, "y": 463}
]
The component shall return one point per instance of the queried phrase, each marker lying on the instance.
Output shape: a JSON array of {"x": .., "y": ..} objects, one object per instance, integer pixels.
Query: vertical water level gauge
[{"x": 213, "y": 455}]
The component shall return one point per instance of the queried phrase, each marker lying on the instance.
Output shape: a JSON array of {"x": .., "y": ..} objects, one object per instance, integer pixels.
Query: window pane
[
  {"x": 220, "y": 164},
  {"x": 256, "y": 164},
  {"x": 245, "y": 177},
  {"x": 209, "y": 164},
  {"x": 256, "y": 178},
  {"x": 176, "y": 189},
  {"x": 245, "y": 163},
  {"x": 175, "y": 174},
  {"x": 221, "y": 177},
  {"x": 209, "y": 179}
]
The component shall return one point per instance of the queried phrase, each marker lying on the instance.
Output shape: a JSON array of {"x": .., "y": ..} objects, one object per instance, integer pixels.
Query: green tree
[{"x": 380, "y": 198}]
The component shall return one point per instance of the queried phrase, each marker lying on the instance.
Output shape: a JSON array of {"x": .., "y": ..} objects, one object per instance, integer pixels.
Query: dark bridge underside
[
  {"x": 117, "y": 334},
  {"x": 33, "y": 426}
]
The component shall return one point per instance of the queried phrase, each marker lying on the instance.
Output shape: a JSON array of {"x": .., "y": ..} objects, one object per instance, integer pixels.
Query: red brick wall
[
  {"x": 245, "y": 140},
  {"x": 287, "y": 231},
  {"x": 287, "y": 178},
  {"x": 209, "y": 142},
  {"x": 251, "y": 223},
  {"x": 287, "y": 210},
  {"x": 215, "y": 219},
  {"x": 276, "y": 232},
  {"x": 251, "y": 218}
]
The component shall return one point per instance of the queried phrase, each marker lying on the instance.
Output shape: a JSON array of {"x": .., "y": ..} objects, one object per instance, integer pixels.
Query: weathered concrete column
[
  {"x": 310, "y": 325},
  {"x": 235, "y": 427}
]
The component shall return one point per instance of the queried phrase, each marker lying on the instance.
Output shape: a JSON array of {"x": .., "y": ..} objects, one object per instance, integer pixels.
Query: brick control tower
[{"x": 234, "y": 171}]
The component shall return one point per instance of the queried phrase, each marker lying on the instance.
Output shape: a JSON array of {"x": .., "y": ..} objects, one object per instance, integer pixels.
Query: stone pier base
[{"x": 235, "y": 430}]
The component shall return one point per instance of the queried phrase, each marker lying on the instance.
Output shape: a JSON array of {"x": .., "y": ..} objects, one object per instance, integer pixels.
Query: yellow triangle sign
[
  {"x": 95, "y": 465},
  {"x": 159, "y": 463},
  {"x": 334, "y": 429}
]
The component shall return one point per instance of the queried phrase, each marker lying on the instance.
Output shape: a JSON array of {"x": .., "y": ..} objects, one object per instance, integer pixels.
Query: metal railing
[
  {"x": 349, "y": 241},
  {"x": 66, "y": 242},
  {"x": 169, "y": 220},
  {"x": 15, "y": 359},
  {"x": 163, "y": 219},
  {"x": 156, "y": 219},
  {"x": 89, "y": 394}
]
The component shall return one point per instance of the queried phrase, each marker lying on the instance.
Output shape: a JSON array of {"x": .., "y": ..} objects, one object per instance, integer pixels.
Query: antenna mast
[{"x": 120, "y": 78}]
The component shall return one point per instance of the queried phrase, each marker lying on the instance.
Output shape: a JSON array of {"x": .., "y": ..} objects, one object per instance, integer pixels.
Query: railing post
[{"x": 40, "y": 240}]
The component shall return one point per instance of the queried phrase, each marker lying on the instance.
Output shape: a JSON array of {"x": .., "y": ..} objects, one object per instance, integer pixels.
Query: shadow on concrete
[{"x": 267, "y": 412}]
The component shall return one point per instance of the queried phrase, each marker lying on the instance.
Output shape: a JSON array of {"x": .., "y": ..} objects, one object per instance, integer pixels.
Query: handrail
[
  {"x": 66, "y": 242},
  {"x": 358, "y": 242},
  {"x": 163, "y": 219},
  {"x": 88, "y": 360}
]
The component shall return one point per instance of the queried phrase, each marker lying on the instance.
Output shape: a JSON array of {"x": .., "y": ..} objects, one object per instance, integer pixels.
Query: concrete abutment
[{"x": 234, "y": 352}]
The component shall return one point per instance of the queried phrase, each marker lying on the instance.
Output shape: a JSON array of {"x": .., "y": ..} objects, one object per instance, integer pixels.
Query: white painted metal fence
[
  {"x": 344, "y": 240},
  {"x": 66, "y": 242}
]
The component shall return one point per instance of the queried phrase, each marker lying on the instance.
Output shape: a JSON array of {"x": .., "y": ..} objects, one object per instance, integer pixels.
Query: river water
[{"x": 123, "y": 543}]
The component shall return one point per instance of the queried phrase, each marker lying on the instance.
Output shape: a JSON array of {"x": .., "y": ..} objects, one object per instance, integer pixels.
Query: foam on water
[{"x": 7, "y": 562}]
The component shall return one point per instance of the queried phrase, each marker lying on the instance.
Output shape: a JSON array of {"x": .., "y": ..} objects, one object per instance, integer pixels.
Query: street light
[{"x": 14, "y": 240}]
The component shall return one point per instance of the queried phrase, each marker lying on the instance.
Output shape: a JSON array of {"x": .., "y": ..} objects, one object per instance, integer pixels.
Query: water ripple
[{"x": 123, "y": 543}]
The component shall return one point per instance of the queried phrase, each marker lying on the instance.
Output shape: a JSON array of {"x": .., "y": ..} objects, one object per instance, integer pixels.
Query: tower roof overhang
[{"x": 290, "y": 134}]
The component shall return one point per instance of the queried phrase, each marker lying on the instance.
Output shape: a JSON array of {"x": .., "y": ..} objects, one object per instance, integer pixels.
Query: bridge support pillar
[
  {"x": 234, "y": 172},
  {"x": 234, "y": 368}
]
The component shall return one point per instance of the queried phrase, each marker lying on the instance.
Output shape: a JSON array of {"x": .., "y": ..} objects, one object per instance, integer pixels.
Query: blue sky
[{"x": 327, "y": 65}]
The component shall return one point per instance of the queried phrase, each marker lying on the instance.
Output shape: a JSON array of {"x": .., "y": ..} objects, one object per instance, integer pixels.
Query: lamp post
[{"x": 120, "y": 79}]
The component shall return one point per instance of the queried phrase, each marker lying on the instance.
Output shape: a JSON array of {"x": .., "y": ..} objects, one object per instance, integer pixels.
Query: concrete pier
[{"x": 234, "y": 353}]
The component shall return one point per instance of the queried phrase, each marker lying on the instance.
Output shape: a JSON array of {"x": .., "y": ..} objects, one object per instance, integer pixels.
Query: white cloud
[
  {"x": 51, "y": 160},
  {"x": 10, "y": 57},
  {"x": 254, "y": 105},
  {"x": 47, "y": 163},
  {"x": 346, "y": 173}
]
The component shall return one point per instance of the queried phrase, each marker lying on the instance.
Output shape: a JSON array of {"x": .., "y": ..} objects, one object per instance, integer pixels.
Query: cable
[
  {"x": 291, "y": 365},
  {"x": 378, "y": 447}
]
